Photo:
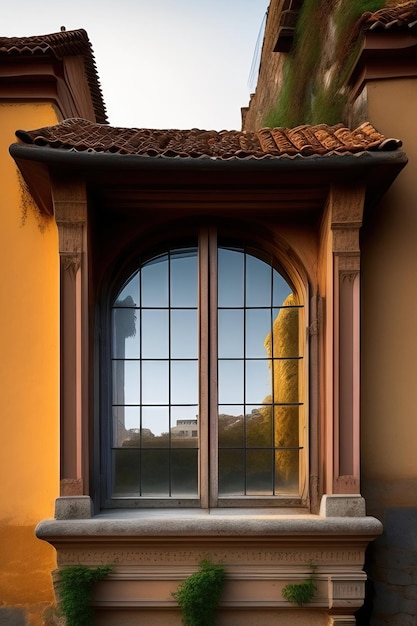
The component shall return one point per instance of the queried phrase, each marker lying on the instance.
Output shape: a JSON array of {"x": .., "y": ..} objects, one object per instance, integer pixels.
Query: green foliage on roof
[{"x": 315, "y": 71}]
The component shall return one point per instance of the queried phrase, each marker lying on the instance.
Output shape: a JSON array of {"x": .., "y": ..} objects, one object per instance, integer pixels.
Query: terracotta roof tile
[
  {"x": 401, "y": 16},
  {"x": 59, "y": 45},
  {"x": 81, "y": 135}
]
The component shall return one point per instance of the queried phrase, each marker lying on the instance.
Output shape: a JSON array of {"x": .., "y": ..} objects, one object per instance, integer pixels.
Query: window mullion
[
  {"x": 213, "y": 358},
  {"x": 204, "y": 365}
]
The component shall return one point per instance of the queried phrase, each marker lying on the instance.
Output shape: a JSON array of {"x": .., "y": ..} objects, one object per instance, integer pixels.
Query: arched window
[{"x": 207, "y": 380}]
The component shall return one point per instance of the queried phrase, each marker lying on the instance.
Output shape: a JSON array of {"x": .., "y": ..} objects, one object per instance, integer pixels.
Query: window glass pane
[
  {"x": 184, "y": 278},
  {"x": 231, "y": 382},
  {"x": 155, "y": 333},
  {"x": 184, "y": 382},
  {"x": 184, "y": 337},
  {"x": 154, "y": 276},
  {"x": 286, "y": 380},
  {"x": 155, "y": 426},
  {"x": 258, "y": 329},
  {"x": 155, "y": 472},
  {"x": 184, "y": 481},
  {"x": 155, "y": 382},
  {"x": 126, "y": 336},
  {"x": 126, "y": 473},
  {"x": 281, "y": 289},
  {"x": 129, "y": 295},
  {"x": 286, "y": 426},
  {"x": 126, "y": 426},
  {"x": 258, "y": 381},
  {"x": 284, "y": 341},
  {"x": 231, "y": 335},
  {"x": 259, "y": 472},
  {"x": 230, "y": 278},
  {"x": 259, "y": 426},
  {"x": 287, "y": 472},
  {"x": 231, "y": 432},
  {"x": 231, "y": 472},
  {"x": 126, "y": 382},
  {"x": 184, "y": 429},
  {"x": 258, "y": 282}
]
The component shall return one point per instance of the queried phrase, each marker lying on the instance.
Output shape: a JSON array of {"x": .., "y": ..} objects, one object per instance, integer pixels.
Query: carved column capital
[{"x": 70, "y": 208}]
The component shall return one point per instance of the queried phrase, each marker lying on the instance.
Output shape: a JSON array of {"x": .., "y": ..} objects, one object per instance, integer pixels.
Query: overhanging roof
[{"x": 280, "y": 170}]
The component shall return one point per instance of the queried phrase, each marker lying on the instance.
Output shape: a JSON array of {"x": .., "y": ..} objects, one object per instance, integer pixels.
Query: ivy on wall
[{"x": 315, "y": 71}]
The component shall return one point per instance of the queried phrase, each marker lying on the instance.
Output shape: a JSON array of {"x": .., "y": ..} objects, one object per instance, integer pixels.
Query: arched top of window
[{"x": 206, "y": 364}]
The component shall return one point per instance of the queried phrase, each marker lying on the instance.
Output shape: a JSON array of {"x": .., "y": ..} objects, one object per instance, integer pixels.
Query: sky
[{"x": 161, "y": 63}]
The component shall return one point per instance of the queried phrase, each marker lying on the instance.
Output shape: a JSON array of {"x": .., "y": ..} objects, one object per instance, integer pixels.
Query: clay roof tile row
[
  {"x": 401, "y": 16},
  {"x": 81, "y": 135}
]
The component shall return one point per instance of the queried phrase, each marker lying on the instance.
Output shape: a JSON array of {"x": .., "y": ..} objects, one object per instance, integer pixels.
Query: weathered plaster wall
[
  {"x": 29, "y": 375},
  {"x": 389, "y": 368}
]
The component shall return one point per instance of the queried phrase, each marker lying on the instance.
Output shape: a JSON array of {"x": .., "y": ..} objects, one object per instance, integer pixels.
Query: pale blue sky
[{"x": 162, "y": 63}]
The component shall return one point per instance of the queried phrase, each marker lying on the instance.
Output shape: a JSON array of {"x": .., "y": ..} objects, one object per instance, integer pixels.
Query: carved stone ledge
[{"x": 151, "y": 552}]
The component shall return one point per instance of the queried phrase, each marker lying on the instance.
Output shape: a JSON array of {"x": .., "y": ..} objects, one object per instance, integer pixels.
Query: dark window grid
[
  {"x": 169, "y": 359},
  {"x": 245, "y": 359}
]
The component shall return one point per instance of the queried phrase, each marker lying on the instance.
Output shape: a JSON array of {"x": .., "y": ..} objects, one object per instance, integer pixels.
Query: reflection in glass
[
  {"x": 126, "y": 473},
  {"x": 126, "y": 426},
  {"x": 231, "y": 333},
  {"x": 155, "y": 386},
  {"x": 258, "y": 327},
  {"x": 287, "y": 472},
  {"x": 259, "y": 427},
  {"x": 258, "y": 282},
  {"x": 230, "y": 278},
  {"x": 231, "y": 427},
  {"x": 126, "y": 382},
  {"x": 156, "y": 373},
  {"x": 155, "y": 382},
  {"x": 259, "y": 472},
  {"x": 155, "y": 472},
  {"x": 259, "y": 443},
  {"x": 184, "y": 473},
  {"x": 285, "y": 337},
  {"x": 155, "y": 334},
  {"x": 231, "y": 382},
  {"x": 126, "y": 333},
  {"x": 154, "y": 276},
  {"x": 155, "y": 426},
  {"x": 281, "y": 290},
  {"x": 183, "y": 275},
  {"x": 184, "y": 382},
  {"x": 231, "y": 473},
  {"x": 184, "y": 334},
  {"x": 258, "y": 380},
  {"x": 129, "y": 295}
]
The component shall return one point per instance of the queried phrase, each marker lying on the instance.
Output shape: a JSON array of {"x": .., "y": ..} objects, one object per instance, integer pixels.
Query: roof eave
[{"x": 39, "y": 164}]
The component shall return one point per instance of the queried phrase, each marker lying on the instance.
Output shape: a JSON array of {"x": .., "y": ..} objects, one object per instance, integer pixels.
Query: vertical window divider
[
  {"x": 204, "y": 366},
  {"x": 213, "y": 364},
  {"x": 169, "y": 377},
  {"x": 273, "y": 425}
]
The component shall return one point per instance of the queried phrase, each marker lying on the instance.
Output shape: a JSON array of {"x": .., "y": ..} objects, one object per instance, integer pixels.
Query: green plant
[
  {"x": 301, "y": 593},
  {"x": 199, "y": 594},
  {"x": 75, "y": 586},
  {"x": 327, "y": 39}
]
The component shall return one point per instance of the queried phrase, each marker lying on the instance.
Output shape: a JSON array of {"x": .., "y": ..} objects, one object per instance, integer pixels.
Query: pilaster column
[
  {"x": 70, "y": 208},
  {"x": 346, "y": 211}
]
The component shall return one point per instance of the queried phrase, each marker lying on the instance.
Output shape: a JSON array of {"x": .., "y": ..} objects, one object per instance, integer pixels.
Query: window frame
[{"x": 208, "y": 402}]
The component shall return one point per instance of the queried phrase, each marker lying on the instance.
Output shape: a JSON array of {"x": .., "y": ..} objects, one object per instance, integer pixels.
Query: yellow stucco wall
[
  {"x": 389, "y": 304},
  {"x": 29, "y": 375}
]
